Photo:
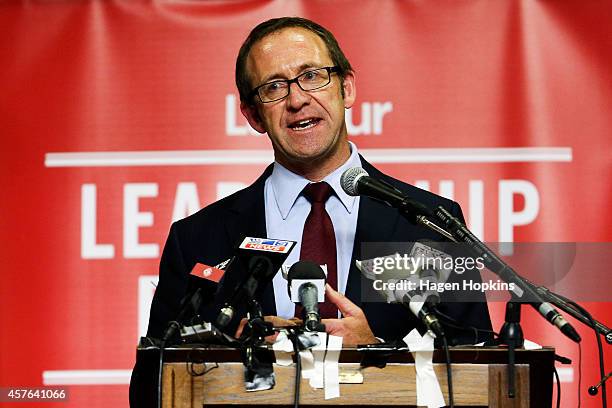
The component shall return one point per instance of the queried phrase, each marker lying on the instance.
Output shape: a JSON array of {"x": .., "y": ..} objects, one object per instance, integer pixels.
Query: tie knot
[{"x": 317, "y": 192}]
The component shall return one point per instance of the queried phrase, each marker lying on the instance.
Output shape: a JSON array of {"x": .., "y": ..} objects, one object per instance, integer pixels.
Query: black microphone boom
[
  {"x": 524, "y": 291},
  {"x": 356, "y": 181}
]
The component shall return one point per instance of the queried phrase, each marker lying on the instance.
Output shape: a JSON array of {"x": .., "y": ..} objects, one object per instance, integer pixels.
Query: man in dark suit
[{"x": 295, "y": 84}]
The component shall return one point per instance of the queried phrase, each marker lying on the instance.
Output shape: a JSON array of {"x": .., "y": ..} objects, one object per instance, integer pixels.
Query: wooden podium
[{"x": 479, "y": 379}]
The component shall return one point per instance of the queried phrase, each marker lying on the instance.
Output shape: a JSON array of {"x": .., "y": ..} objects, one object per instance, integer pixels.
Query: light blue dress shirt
[{"x": 286, "y": 212}]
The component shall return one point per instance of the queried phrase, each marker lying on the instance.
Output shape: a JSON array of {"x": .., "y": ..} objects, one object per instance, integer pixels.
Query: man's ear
[
  {"x": 350, "y": 91},
  {"x": 252, "y": 116}
]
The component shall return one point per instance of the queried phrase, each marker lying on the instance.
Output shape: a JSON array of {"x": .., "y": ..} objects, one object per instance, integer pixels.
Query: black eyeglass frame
[{"x": 330, "y": 70}]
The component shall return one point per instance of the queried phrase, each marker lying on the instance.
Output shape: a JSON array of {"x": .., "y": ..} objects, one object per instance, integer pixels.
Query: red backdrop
[{"x": 504, "y": 106}]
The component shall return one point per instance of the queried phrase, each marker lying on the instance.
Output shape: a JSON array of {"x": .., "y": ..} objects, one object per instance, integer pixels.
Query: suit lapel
[
  {"x": 248, "y": 219},
  {"x": 376, "y": 222},
  {"x": 247, "y": 212}
]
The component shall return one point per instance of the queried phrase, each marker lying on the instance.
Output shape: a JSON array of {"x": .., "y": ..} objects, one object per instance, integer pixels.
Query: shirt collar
[{"x": 287, "y": 186}]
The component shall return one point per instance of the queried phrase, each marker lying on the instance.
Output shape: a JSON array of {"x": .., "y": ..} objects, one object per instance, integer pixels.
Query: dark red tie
[{"x": 319, "y": 240}]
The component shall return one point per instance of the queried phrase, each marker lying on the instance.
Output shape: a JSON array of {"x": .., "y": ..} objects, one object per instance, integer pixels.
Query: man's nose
[{"x": 297, "y": 96}]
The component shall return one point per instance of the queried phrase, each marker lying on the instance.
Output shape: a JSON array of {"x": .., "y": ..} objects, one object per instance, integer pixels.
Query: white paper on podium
[
  {"x": 318, "y": 354},
  {"x": 307, "y": 362},
  {"x": 428, "y": 389},
  {"x": 283, "y": 349},
  {"x": 332, "y": 375}
]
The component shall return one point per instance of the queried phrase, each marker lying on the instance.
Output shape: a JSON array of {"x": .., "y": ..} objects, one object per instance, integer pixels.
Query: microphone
[
  {"x": 205, "y": 279},
  {"x": 356, "y": 181},
  {"x": 555, "y": 318},
  {"x": 420, "y": 303},
  {"x": 191, "y": 302},
  {"x": 260, "y": 270},
  {"x": 306, "y": 285},
  {"x": 256, "y": 261},
  {"x": 412, "y": 283}
]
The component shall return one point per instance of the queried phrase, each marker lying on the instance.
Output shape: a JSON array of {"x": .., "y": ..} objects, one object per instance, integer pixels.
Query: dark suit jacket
[{"x": 210, "y": 236}]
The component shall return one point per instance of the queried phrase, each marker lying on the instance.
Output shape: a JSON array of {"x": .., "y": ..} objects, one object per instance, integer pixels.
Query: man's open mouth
[{"x": 304, "y": 124}]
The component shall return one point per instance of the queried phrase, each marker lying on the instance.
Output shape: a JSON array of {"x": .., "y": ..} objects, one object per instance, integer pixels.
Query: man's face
[{"x": 306, "y": 128}]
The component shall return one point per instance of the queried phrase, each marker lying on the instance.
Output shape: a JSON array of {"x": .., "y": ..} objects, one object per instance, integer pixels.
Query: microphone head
[
  {"x": 305, "y": 270},
  {"x": 349, "y": 180},
  {"x": 261, "y": 267},
  {"x": 225, "y": 316}
]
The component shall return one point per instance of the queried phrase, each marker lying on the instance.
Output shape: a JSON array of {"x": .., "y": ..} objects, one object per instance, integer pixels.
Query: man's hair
[{"x": 243, "y": 81}]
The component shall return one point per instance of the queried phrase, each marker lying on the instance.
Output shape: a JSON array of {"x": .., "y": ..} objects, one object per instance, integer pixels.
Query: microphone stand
[
  {"x": 256, "y": 328},
  {"x": 511, "y": 333},
  {"x": 252, "y": 338}
]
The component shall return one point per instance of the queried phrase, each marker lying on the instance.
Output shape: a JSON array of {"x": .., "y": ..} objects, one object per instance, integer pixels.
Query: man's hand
[
  {"x": 276, "y": 322},
  {"x": 353, "y": 327}
]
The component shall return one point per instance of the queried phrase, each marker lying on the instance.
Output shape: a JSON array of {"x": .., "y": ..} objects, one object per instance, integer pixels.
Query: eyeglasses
[{"x": 307, "y": 81}]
